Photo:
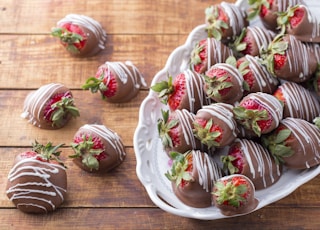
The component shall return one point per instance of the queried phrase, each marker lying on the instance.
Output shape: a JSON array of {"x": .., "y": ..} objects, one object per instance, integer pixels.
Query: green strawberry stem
[
  {"x": 283, "y": 19},
  {"x": 216, "y": 84},
  {"x": 95, "y": 84},
  {"x": 86, "y": 151},
  {"x": 68, "y": 38},
  {"x": 164, "y": 127},
  {"x": 316, "y": 121},
  {"x": 215, "y": 26},
  {"x": 61, "y": 109},
  {"x": 48, "y": 152},
  {"x": 164, "y": 89},
  {"x": 228, "y": 165},
  {"x": 256, "y": 6},
  {"x": 205, "y": 135}
]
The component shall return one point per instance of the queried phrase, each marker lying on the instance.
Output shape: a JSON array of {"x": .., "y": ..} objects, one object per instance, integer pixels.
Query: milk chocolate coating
[
  {"x": 128, "y": 77},
  {"x": 305, "y": 144},
  {"x": 222, "y": 116},
  {"x": 113, "y": 147},
  {"x": 197, "y": 193},
  {"x": 250, "y": 205},
  {"x": 259, "y": 166},
  {"x": 96, "y": 36},
  {"x": 36, "y": 101},
  {"x": 299, "y": 102},
  {"x": 35, "y": 186}
]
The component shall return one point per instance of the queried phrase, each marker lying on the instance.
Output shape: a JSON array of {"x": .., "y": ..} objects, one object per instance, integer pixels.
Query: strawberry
[
  {"x": 97, "y": 148},
  {"x": 268, "y": 10},
  {"x": 184, "y": 92},
  {"x": 251, "y": 40},
  {"x": 251, "y": 159},
  {"x": 297, "y": 20},
  {"x": 175, "y": 131},
  {"x": 256, "y": 76},
  {"x": 80, "y": 35},
  {"x": 50, "y": 107},
  {"x": 259, "y": 112},
  {"x": 37, "y": 182},
  {"x": 224, "y": 21},
  {"x": 116, "y": 81},
  {"x": 298, "y": 101},
  {"x": 295, "y": 143},
  {"x": 283, "y": 59},
  {"x": 208, "y": 52},
  {"x": 192, "y": 175},
  {"x": 234, "y": 195},
  {"x": 215, "y": 126},
  {"x": 224, "y": 82}
]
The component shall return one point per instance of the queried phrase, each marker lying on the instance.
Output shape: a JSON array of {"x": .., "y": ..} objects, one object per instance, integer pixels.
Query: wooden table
[{"x": 144, "y": 32}]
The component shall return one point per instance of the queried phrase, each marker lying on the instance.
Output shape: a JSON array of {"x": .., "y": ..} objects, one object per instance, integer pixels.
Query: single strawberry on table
[
  {"x": 117, "y": 82},
  {"x": 215, "y": 126},
  {"x": 295, "y": 143},
  {"x": 289, "y": 59},
  {"x": 208, "y": 52},
  {"x": 298, "y": 21},
  {"x": 184, "y": 91},
  {"x": 251, "y": 159},
  {"x": 50, "y": 107},
  {"x": 259, "y": 112},
  {"x": 37, "y": 181},
  {"x": 224, "y": 21},
  {"x": 80, "y": 35},
  {"x": 192, "y": 176},
  {"x": 97, "y": 148},
  {"x": 224, "y": 82},
  {"x": 234, "y": 195}
]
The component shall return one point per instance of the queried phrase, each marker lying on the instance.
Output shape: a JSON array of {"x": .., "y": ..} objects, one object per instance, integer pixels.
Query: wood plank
[
  {"x": 154, "y": 218},
  {"x": 120, "y": 17}
]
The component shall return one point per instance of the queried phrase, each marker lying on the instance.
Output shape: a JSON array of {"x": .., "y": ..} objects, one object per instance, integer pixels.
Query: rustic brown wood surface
[{"x": 142, "y": 31}]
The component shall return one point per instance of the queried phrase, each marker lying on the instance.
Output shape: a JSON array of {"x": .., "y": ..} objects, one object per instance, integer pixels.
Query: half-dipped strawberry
[
  {"x": 224, "y": 21},
  {"x": 251, "y": 159},
  {"x": 208, "y": 52},
  {"x": 116, "y": 81},
  {"x": 215, "y": 126},
  {"x": 295, "y": 143},
  {"x": 234, "y": 195},
  {"x": 185, "y": 91},
  {"x": 97, "y": 148},
  {"x": 37, "y": 182},
  {"x": 259, "y": 112},
  {"x": 192, "y": 175},
  {"x": 80, "y": 35},
  {"x": 50, "y": 107}
]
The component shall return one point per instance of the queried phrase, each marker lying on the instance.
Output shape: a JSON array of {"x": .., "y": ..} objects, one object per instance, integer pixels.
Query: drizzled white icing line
[
  {"x": 208, "y": 170},
  {"x": 218, "y": 50},
  {"x": 236, "y": 16},
  {"x": 36, "y": 100},
  {"x": 262, "y": 36},
  {"x": 314, "y": 21},
  {"x": 283, "y": 4},
  {"x": 89, "y": 23},
  {"x": 263, "y": 158},
  {"x": 123, "y": 72},
  {"x": 111, "y": 137},
  {"x": 43, "y": 172},
  {"x": 185, "y": 120}
]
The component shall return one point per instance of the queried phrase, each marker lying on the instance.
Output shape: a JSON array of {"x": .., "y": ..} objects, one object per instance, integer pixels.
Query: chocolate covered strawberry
[
  {"x": 192, "y": 175},
  {"x": 117, "y": 82},
  {"x": 50, "y": 107},
  {"x": 298, "y": 20},
  {"x": 234, "y": 195},
  {"x": 224, "y": 82},
  {"x": 295, "y": 143},
  {"x": 298, "y": 101},
  {"x": 251, "y": 159},
  {"x": 208, "y": 52},
  {"x": 259, "y": 112},
  {"x": 175, "y": 131},
  {"x": 97, "y": 148},
  {"x": 256, "y": 77},
  {"x": 251, "y": 40},
  {"x": 215, "y": 126},
  {"x": 316, "y": 81},
  {"x": 268, "y": 10},
  {"x": 289, "y": 59},
  {"x": 80, "y": 35},
  {"x": 185, "y": 91},
  {"x": 224, "y": 21},
  {"x": 37, "y": 182}
]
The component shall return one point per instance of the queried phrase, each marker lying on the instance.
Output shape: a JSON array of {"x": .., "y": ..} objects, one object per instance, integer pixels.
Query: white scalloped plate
[{"x": 152, "y": 162}]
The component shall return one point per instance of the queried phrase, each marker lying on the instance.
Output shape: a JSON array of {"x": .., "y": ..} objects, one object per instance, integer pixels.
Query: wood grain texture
[{"x": 144, "y": 32}]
